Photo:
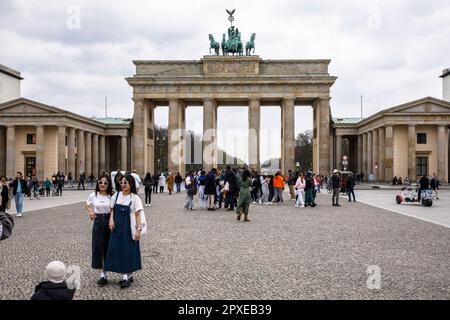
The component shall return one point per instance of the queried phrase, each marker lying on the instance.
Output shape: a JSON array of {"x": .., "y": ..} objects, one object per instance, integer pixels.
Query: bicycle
[{"x": 36, "y": 193}]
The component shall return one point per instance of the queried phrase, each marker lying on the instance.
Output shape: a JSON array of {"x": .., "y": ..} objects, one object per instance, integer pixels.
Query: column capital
[{"x": 208, "y": 99}]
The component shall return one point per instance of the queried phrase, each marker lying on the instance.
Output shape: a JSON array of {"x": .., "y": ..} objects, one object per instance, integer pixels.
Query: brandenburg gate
[{"x": 239, "y": 80}]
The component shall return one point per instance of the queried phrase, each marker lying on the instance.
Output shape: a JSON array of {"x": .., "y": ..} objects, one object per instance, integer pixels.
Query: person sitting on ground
[
  {"x": 55, "y": 288},
  {"x": 394, "y": 181}
]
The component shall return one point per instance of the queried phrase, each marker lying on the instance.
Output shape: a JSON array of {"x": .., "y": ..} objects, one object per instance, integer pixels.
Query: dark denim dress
[
  {"x": 100, "y": 240},
  {"x": 124, "y": 254}
]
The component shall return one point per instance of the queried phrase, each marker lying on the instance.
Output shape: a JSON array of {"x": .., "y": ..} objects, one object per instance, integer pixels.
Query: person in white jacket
[
  {"x": 300, "y": 189},
  {"x": 162, "y": 182}
]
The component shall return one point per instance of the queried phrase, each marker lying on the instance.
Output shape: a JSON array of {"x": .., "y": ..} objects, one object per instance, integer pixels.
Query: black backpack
[{"x": 7, "y": 222}]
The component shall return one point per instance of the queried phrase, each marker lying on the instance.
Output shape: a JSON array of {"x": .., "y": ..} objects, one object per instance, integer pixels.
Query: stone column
[
  {"x": 62, "y": 149},
  {"x": 369, "y": 153},
  {"x": 139, "y": 134},
  {"x": 381, "y": 146},
  {"x": 71, "y": 152},
  {"x": 88, "y": 148},
  {"x": 2, "y": 151},
  {"x": 102, "y": 153},
  {"x": 288, "y": 135},
  {"x": 338, "y": 152},
  {"x": 364, "y": 155},
  {"x": 11, "y": 151},
  {"x": 441, "y": 153},
  {"x": 254, "y": 119},
  {"x": 360, "y": 153},
  {"x": 209, "y": 134},
  {"x": 81, "y": 153},
  {"x": 149, "y": 114},
  {"x": 412, "y": 152},
  {"x": 323, "y": 133},
  {"x": 176, "y": 141},
  {"x": 40, "y": 157},
  {"x": 95, "y": 171},
  {"x": 375, "y": 160},
  {"x": 389, "y": 154},
  {"x": 123, "y": 154}
]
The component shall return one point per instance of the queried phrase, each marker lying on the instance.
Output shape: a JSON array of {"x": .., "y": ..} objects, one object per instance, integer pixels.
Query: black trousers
[
  {"x": 148, "y": 195},
  {"x": 100, "y": 240},
  {"x": 155, "y": 188}
]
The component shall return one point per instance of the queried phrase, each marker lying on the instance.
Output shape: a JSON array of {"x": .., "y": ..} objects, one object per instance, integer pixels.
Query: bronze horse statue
[
  {"x": 250, "y": 45},
  {"x": 213, "y": 44}
]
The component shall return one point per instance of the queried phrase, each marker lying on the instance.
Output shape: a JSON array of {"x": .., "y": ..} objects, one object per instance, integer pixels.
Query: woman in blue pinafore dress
[{"x": 124, "y": 254}]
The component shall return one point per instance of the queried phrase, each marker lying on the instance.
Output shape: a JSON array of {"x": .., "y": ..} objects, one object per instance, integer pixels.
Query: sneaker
[
  {"x": 124, "y": 284},
  {"x": 254, "y": 202},
  {"x": 302, "y": 206},
  {"x": 18, "y": 215},
  {"x": 338, "y": 205},
  {"x": 296, "y": 205},
  {"x": 102, "y": 281}
]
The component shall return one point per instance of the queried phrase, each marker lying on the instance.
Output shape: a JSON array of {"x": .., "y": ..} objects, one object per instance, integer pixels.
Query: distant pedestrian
[
  {"x": 292, "y": 179},
  {"x": 137, "y": 180},
  {"x": 309, "y": 190},
  {"x": 178, "y": 181},
  {"x": 161, "y": 182},
  {"x": 191, "y": 190},
  {"x": 300, "y": 188},
  {"x": 55, "y": 288},
  {"x": 434, "y": 185},
  {"x": 278, "y": 186},
  {"x": 210, "y": 189},
  {"x": 170, "y": 183},
  {"x": 47, "y": 186},
  {"x": 351, "y": 187},
  {"x": 148, "y": 187},
  {"x": 4, "y": 194},
  {"x": 244, "y": 198},
  {"x": 19, "y": 187},
  {"x": 336, "y": 185},
  {"x": 70, "y": 180}
]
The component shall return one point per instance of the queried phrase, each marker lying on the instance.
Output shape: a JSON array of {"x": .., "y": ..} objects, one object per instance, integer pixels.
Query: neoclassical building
[
  {"x": 40, "y": 140},
  {"x": 408, "y": 140}
]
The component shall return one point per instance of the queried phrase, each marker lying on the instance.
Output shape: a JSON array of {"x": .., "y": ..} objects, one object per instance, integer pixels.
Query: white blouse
[
  {"x": 100, "y": 204},
  {"x": 136, "y": 204}
]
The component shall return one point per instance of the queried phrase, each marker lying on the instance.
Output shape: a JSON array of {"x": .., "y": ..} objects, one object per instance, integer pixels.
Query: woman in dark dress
[
  {"x": 124, "y": 253},
  {"x": 4, "y": 194}
]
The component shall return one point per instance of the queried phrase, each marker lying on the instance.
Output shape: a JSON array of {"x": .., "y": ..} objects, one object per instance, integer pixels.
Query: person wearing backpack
[{"x": 148, "y": 186}]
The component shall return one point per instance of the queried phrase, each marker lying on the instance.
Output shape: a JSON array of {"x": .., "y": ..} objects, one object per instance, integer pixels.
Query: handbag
[
  {"x": 226, "y": 187},
  {"x": 133, "y": 224}
]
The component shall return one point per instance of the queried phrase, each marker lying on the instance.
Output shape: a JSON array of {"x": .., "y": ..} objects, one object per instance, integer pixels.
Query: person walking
[
  {"x": 47, "y": 186},
  {"x": 291, "y": 181},
  {"x": 264, "y": 189},
  {"x": 201, "y": 190},
  {"x": 278, "y": 186},
  {"x": 161, "y": 182},
  {"x": 191, "y": 190},
  {"x": 148, "y": 186},
  {"x": 81, "y": 181},
  {"x": 124, "y": 253},
  {"x": 434, "y": 185},
  {"x": 98, "y": 206},
  {"x": 336, "y": 185},
  {"x": 210, "y": 189},
  {"x": 70, "y": 180},
  {"x": 351, "y": 187},
  {"x": 230, "y": 178},
  {"x": 244, "y": 198},
  {"x": 178, "y": 181},
  {"x": 170, "y": 182},
  {"x": 309, "y": 190},
  {"x": 4, "y": 194},
  {"x": 19, "y": 187},
  {"x": 137, "y": 180},
  {"x": 300, "y": 189},
  {"x": 155, "y": 182}
]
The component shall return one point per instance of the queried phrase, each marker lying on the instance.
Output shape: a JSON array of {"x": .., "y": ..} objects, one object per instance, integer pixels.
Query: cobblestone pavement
[{"x": 283, "y": 253}]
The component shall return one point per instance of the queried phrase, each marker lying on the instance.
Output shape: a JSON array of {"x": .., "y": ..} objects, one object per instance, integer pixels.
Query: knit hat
[{"x": 56, "y": 271}]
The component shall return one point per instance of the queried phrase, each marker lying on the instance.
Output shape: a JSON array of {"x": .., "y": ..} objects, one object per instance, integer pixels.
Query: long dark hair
[
  {"x": 131, "y": 182},
  {"x": 148, "y": 177},
  {"x": 109, "y": 190},
  {"x": 245, "y": 175}
]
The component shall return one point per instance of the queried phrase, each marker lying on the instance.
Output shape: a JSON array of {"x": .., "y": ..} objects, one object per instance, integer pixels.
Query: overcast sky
[{"x": 390, "y": 52}]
